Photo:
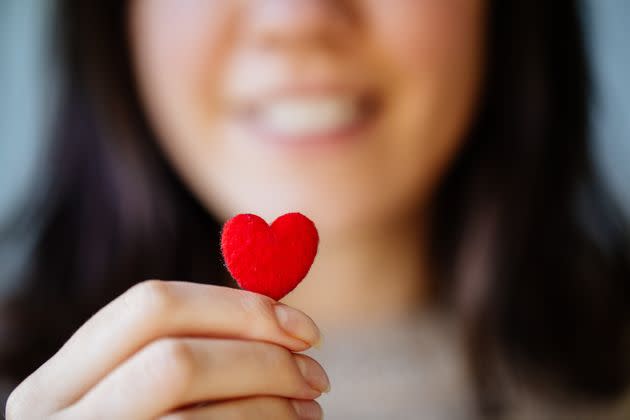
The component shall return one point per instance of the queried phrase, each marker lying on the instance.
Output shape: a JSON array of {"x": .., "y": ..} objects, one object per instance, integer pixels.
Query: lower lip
[{"x": 349, "y": 133}]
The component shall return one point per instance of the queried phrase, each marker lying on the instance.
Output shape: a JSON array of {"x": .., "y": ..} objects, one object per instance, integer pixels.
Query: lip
[
  {"x": 370, "y": 105},
  {"x": 270, "y": 92}
]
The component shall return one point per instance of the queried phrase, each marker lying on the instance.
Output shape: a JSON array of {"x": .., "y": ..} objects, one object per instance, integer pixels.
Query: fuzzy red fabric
[{"x": 271, "y": 260}]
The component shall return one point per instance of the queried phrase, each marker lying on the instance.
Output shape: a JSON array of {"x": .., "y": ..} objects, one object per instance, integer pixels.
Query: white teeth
[{"x": 296, "y": 117}]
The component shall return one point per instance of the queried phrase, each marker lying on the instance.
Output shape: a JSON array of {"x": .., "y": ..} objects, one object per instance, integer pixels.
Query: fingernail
[
  {"x": 297, "y": 324},
  {"x": 313, "y": 373},
  {"x": 307, "y": 410}
]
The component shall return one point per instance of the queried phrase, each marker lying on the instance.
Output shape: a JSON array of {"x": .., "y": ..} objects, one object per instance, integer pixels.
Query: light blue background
[
  {"x": 609, "y": 40},
  {"x": 28, "y": 89}
]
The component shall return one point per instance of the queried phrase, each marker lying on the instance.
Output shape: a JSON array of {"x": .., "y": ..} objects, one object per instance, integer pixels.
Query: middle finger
[{"x": 170, "y": 373}]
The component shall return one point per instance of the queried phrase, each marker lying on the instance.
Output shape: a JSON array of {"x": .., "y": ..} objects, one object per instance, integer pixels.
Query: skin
[{"x": 162, "y": 347}]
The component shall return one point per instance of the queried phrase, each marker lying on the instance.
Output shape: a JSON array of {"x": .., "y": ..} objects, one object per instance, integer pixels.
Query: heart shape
[{"x": 271, "y": 260}]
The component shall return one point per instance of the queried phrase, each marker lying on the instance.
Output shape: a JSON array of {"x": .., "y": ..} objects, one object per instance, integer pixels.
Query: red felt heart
[{"x": 271, "y": 260}]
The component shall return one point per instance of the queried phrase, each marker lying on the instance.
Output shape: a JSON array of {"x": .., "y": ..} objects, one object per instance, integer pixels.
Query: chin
[{"x": 333, "y": 216}]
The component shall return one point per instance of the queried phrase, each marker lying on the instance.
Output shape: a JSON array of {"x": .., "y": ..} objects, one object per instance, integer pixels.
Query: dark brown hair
[{"x": 551, "y": 263}]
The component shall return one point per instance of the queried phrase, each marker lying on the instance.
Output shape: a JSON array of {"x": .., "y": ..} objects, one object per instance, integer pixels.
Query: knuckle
[
  {"x": 259, "y": 314},
  {"x": 12, "y": 406},
  {"x": 172, "y": 362},
  {"x": 274, "y": 356},
  {"x": 19, "y": 402},
  {"x": 153, "y": 297}
]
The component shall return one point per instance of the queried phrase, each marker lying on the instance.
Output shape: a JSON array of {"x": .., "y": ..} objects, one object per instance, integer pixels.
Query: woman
[{"x": 441, "y": 148}]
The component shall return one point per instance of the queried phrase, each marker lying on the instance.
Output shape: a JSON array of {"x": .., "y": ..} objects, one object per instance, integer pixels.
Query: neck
[{"x": 368, "y": 276}]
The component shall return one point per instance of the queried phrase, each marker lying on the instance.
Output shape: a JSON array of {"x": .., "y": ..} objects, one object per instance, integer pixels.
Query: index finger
[{"x": 154, "y": 309}]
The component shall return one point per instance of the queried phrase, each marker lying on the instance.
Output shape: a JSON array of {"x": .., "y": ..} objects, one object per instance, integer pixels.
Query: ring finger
[{"x": 252, "y": 408}]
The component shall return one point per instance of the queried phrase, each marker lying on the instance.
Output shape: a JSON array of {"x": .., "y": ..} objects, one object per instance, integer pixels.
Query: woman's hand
[{"x": 162, "y": 348}]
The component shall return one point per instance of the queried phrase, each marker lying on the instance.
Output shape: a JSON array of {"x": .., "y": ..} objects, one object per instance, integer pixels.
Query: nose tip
[{"x": 276, "y": 22}]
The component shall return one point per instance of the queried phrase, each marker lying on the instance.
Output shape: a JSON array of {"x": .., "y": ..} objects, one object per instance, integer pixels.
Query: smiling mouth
[{"x": 311, "y": 117}]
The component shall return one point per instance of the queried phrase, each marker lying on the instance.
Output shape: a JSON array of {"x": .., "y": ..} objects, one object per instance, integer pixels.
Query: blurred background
[{"x": 28, "y": 88}]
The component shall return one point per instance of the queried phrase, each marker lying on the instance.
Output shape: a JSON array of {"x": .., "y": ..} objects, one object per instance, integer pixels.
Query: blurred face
[{"x": 346, "y": 110}]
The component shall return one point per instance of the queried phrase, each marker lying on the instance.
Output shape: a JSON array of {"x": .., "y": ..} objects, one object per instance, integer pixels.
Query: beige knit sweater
[{"x": 415, "y": 370}]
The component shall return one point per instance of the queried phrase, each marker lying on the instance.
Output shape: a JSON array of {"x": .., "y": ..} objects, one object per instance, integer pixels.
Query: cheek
[
  {"x": 421, "y": 35},
  {"x": 435, "y": 51},
  {"x": 176, "y": 48}
]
